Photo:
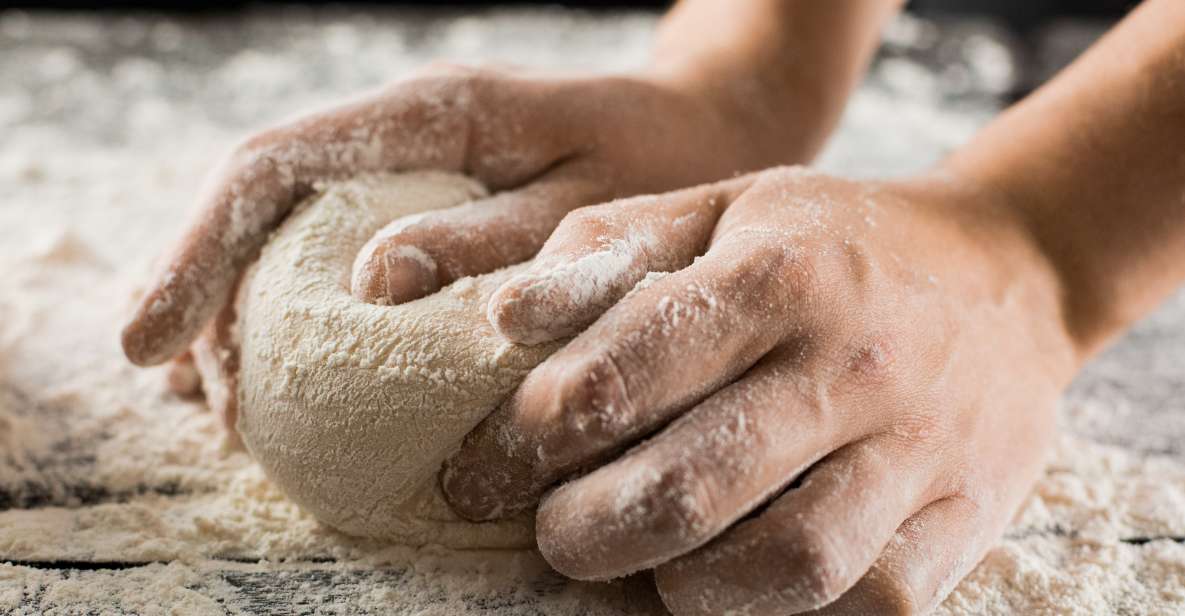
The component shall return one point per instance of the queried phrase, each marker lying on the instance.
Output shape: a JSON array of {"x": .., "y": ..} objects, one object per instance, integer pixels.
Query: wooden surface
[{"x": 124, "y": 500}]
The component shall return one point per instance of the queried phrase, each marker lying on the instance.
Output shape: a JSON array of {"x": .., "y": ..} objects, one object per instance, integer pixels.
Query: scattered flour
[
  {"x": 107, "y": 124},
  {"x": 1101, "y": 534}
]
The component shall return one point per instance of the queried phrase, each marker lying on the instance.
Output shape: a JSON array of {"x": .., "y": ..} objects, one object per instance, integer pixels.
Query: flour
[
  {"x": 575, "y": 291},
  {"x": 109, "y": 124},
  {"x": 1085, "y": 542}
]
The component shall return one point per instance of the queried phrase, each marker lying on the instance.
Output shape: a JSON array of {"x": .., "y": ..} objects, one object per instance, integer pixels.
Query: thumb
[{"x": 416, "y": 255}]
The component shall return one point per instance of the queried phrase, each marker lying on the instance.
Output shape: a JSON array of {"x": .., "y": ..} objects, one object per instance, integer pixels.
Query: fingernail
[
  {"x": 140, "y": 340},
  {"x": 395, "y": 275},
  {"x": 472, "y": 498},
  {"x": 410, "y": 274},
  {"x": 508, "y": 319},
  {"x": 369, "y": 281}
]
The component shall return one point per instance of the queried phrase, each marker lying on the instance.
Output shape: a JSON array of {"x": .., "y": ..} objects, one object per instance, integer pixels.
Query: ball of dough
[{"x": 351, "y": 407}]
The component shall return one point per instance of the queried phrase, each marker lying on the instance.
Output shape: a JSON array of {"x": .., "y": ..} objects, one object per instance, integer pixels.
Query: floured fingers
[{"x": 598, "y": 253}]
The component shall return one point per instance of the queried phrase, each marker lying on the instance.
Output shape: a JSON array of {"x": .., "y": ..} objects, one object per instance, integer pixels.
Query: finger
[
  {"x": 693, "y": 480},
  {"x": 597, "y": 254},
  {"x": 416, "y": 256},
  {"x": 183, "y": 378},
  {"x": 424, "y": 123},
  {"x": 252, "y": 193},
  {"x": 624, "y": 377},
  {"x": 811, "y": 544},
  {"x": 929, "y": 554},
  {"x": 216, "y": 359}
]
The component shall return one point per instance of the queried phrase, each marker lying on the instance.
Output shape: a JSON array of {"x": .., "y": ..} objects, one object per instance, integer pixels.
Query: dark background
[
  {"x": 1041, "y": 36},
  {"x": 1020, "y": 14}
]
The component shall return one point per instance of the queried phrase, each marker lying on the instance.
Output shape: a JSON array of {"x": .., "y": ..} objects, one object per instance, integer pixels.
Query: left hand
[{"x": 839, "y": 398}]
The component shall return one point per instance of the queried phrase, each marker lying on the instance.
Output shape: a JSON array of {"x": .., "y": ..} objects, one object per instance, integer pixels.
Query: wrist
[
  {"x": 781, "y": 122},
  {"x": 781, "y": 70},
  {"x": 1093, "y": 310},
  {"x": 1017, "y": 266}
]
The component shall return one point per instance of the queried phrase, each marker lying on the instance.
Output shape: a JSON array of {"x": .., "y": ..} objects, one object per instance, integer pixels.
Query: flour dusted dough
[{"x": 351, "y": 407}]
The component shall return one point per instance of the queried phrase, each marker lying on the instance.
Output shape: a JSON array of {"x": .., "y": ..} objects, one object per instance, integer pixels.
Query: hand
[
  {"x": 547, "y": 144},
  {"x": 841, "y": 403}
]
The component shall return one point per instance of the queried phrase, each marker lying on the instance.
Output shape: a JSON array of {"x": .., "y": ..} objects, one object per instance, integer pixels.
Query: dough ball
[{"x": 351, "y": 407}]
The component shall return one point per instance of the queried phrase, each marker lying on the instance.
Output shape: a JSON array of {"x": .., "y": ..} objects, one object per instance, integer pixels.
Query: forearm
[
  {"x": 783, "y": 67},
  {"x": 1095, "y": 164}
]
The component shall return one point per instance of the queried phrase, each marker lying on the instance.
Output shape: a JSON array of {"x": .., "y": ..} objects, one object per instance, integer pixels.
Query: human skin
[
  {"x": 844, "y": 390},
  {"x": 734, "y": 87}
]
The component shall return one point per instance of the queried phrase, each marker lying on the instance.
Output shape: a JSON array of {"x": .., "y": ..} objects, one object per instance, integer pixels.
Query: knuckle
[
  {"x": 869, "y": 364},
  {"x": 894, "y": 595},
  {"x": 671, "y": 503},
  {"x": 646, "y": 512},
  {"x": 871, "y": 360},
  {"x": 260, "y": 163},
  {"x": 594, "y": 221},
  {"x": 795, "y": 271},
  {"x": 573, "y": 408},
  {"x": 254, "y": 153},
  {"x": 689, "y": 504},
  {"x": 818, "y": 572},
  {"x": 769, "y": 274},
  {"x": 595, "y": 399}
]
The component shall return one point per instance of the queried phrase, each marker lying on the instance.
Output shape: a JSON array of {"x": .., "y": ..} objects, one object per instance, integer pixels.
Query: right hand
[
  {"x": 544, "y": 146},
  {"x": 839, "y": 395}
]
